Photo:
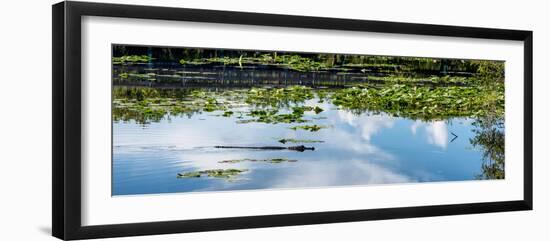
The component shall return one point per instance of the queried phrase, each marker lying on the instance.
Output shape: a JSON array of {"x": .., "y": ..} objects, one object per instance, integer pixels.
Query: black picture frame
[{"x": 66, "y": 128}]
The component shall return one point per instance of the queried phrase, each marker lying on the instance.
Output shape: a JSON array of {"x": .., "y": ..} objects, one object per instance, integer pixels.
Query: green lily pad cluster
[
  {"x": 147, "y": 111},
  {"x": 286, "y": 105},
  {"x": 279, "y": 97},
  {"x": 311, "y": 128},
  {"x": 131, "y": 59},
  {"x": 432, "y": 80},
  {"x": 421, "y": 102},
  {"x": 273, "y": 116},
  {"x": 301, "y": 109},
  {"x": 146, "y": 76},
  {"x": 146, "y": 105},
  {"x": 293, "y": 62},
  {"x": 216, "y": 173}
]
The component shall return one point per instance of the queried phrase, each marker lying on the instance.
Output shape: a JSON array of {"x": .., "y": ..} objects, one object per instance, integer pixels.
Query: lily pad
[
  {"x": 311, "y": 128},
  {"x": 317, "y": 110},
  {"x": 216, "y": 173}
]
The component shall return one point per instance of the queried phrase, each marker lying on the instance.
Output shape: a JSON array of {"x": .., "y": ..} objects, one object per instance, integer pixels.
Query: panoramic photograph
[{"x": 191, "y": 119}]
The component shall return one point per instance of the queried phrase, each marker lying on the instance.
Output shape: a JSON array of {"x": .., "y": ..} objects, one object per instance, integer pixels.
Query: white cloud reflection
[
  {"x": 369, "y": 125},
  {"x": 436, "y": 132},
  {"x": 347, "y": 156},
  {"x": 356, "y": 172}
]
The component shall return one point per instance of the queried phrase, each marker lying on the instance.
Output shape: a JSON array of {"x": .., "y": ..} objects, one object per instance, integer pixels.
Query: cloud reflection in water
[{"x": 357, "y": 150}]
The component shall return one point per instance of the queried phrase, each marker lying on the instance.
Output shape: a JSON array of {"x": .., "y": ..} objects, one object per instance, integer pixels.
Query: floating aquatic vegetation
[
  {"x": 421, "y": 102},
  {"x": 192, "y": 62},
  {"x": 317, "y": 110},
  {"x": 125, "y": 76},
  {"x": 434, "y": 80},
  {"x": 212, "y": 104},
  {"x": 293, "y": 62},
  {"x": 300, "y": 63},
  {"x": 271, "y": 160},
  {"x": 135, "y": 93},
  {"x": 145, "y": 105},
  {"x": 336, "y": 62},
  {"x": 291, "y": 140},
  {"x": 132, "y": 59},
  {"x": 299, "y": 110},
  {"x": 322, "y": 95},
  {"x": 216, "y": 173},
  {"x": 279, "y": 97},
  {"x": 286, "y": 105},
  {"x": 311, "y": 128},
  {"x": 272, "y": 116}
]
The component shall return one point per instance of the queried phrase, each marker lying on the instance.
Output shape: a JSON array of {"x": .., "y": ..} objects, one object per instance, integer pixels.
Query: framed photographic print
[{"x": 170, "y": 120}]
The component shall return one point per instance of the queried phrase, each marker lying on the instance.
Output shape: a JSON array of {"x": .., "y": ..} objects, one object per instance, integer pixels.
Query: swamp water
[{"x": 264, "y": 136}]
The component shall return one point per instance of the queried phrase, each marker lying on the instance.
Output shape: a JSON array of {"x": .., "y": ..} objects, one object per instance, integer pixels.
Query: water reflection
[
  {"x": 359, "y": 148},
  {"x": 205, "y": 75},
  {"x": 296, "y": 119},
  {"x": 368, "y": 125},
  {"x": 436, "y": 132},
  {"x": 489, "y": 138}
]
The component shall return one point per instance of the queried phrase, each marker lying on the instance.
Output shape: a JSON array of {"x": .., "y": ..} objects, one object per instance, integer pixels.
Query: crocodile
[{"x": 299, "y": 148}]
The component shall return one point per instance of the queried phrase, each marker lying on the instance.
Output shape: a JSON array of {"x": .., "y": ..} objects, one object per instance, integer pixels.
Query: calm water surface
[{"x": 358, "y": 149}]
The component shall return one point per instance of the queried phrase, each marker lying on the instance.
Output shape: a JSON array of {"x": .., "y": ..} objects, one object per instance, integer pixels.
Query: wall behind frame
[{"x": 25, "y": 123}]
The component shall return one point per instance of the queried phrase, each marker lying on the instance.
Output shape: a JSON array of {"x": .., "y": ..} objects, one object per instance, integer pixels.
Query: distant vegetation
[{"x": 305, "y": 62}]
